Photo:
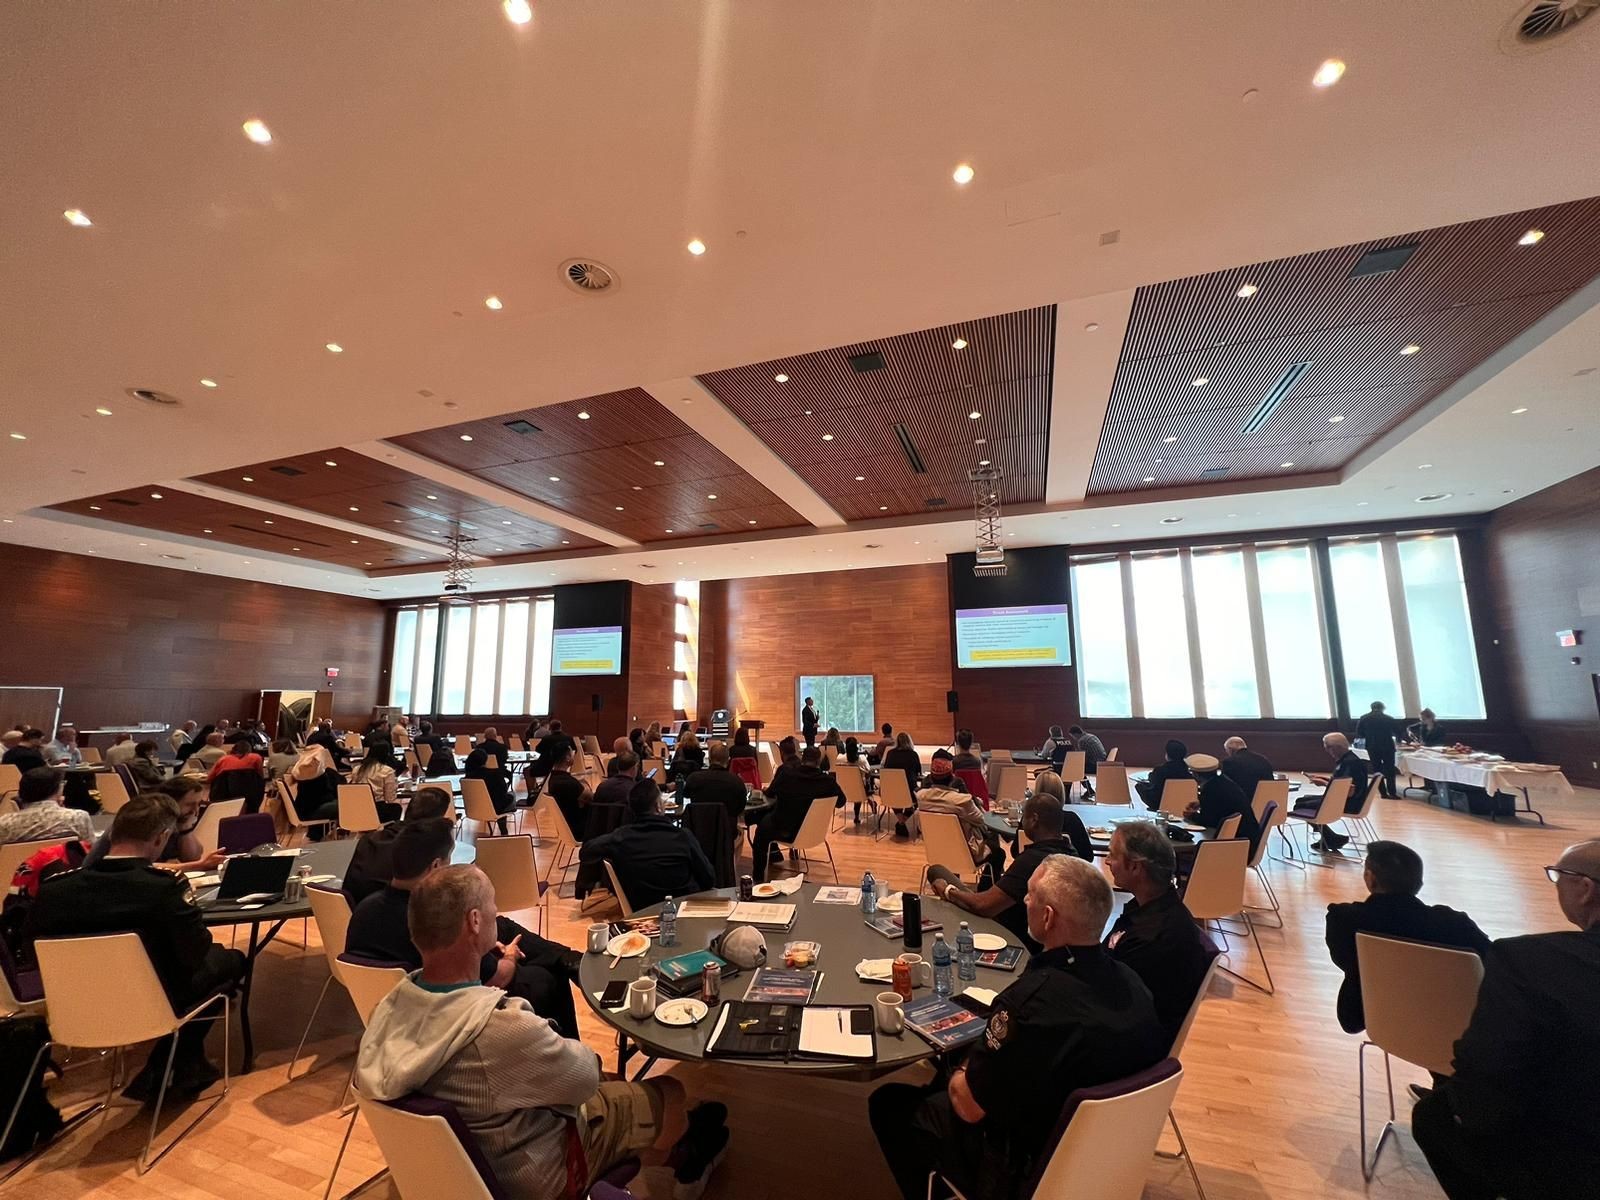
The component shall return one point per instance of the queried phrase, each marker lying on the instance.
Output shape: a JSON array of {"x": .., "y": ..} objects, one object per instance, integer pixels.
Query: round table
[{"x": 845, "y": 940}]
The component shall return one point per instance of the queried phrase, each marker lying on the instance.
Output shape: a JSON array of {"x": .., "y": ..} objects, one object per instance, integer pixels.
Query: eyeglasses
[{"x": 1554, "y": 874}]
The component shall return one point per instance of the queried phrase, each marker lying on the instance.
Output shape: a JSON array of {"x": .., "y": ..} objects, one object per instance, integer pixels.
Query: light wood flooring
[{"x": 1268, "y": 1102}]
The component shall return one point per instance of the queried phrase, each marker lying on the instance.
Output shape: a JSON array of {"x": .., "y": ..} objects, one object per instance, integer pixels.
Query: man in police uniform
[
  {"x": 123, "y": 893},
  {"x": 1076, "y": 1018}
]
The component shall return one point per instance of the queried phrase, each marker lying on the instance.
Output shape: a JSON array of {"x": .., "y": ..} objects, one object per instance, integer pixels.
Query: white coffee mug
[
  {"x": 642, "y": 998},
  {"x": 599, "y": 936},
  {"x": 890, "y": 1009},
  {"x": 921, "y": 972}
]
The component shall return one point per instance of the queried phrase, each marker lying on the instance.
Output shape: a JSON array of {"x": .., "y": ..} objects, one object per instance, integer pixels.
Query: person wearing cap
[{"x": 1220, "y": 798}]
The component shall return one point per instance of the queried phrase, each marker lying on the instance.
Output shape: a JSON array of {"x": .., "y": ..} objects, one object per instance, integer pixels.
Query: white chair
[
  {"x": 1111, "y": 784},
  {"x": 1418, "y": 999},
  {"x": 91, "y": 755},
  {"x": 1074, "y": 769},
  {"x": 1216, "y": 893},
  {"x": 1177, "y": 795},
  {"x": 330, "y": 909},
  {"x": 894, "y": 792},
  {"x": 352, "y": 742},
  {"x": 424, "y": 1150},
  {"x": 478, "y": 805},
  {"x": 591, "y": 745},
  {"x": 545, "y": 807},
  {"x": 813, "y": 833},
  {"x": 10, "y": 779},
  {"x": 1177, "y": 1053},
  {"x": 424, "y": 753},
  {"x": 1329, "y": 811},
  {"x": 14, "y": 854},
  {"x": 1111, "y": 755},
  {"x": 358, "y": 811},
  {"x": 653, "y": 764},
  {"x": 617, "y": 889},
  {"x": 79, "y": 1015},
  {"x": 764, "y": 764},
  {"x": 1275, "y": 791},
  {"x": 463, "y": 745},
  {"x": 509, "y": 863},
  {"x": 1362, "y": 830},
  {"x": 206, "y": 831},
  {"x": 297, "y": 827},
  {"x": 1230, "y": 827},
  {"x": 1270, "y": 818},
  {"x": 1013, "y": 785},
  {"x": 113, "y": 792},
  {"x": 367, "y": 984},
  {"x": 854, "y": 786},
  {"x": 945, "y": 845}
]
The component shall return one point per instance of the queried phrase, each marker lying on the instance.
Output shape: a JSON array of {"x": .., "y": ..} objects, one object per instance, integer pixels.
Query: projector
[{"x": 990, "y": 560}]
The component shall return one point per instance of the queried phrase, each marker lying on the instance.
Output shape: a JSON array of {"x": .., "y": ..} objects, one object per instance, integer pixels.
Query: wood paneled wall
[
  {"x": 1544, "y": 576},
  {"x": 650, "y": 640},
  {"x": 133, "y": 643},
  {"x": 893, "y": 623}
]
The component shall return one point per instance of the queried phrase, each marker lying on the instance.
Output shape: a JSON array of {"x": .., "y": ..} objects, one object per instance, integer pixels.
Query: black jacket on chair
[{"x": 710, "y": 826}]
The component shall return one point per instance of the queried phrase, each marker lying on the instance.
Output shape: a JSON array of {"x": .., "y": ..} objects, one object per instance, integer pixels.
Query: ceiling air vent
[
  {"x": 289, "y": 472},
  {"x": 124, "y": 503},
  {"x": 1382, "y": 262},
  {"x": 151, "y": 396},
  {"x": 1547, "y": 18},
  {"x": 872, "y": 360},
  {"x": 936, "y": 502},
  {"x": 710, "y": 526},
  {"x": 523, "y": 427},
  {"x": 588, "y": 276},
  {"x": 909, "y": 449},
  {"x": 1214, "y": 472},
  {"x": 1275, "y": 396}
]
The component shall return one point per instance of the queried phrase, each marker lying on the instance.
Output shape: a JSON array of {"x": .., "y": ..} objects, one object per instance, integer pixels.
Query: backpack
[{"x": 22, "y": 1075}]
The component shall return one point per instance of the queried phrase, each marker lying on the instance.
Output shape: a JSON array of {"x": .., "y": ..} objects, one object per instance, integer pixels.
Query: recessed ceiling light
[
  {"x": 780, "y": 379},
  {"x": 1285, "y": 466},
  {"x": 1116, "y": 524},
  {"x": 256, "y": 130},
  {"x": 205, "y": 531},
  {"x": 861, "y": 478},
  {"x": 144, "y": 543},
  {"x": 883, "y": 508},
  {"x": 155, "y": 496},
  {"x": 334, "y": 348},
  {"x": 1335, "y": 419},
  {"x": 466, "y": 437},
  {"x": 827, "y": 437},
  {"x": 104, "y": 412},
  {"x": 583, "y": 416},
  {"x": 210, "y": 383},
  {"x": 76, "y": 216},
  {"x": 1361, "y": 503},
  {"x": 1516, "y": 411},
  {"x": 1409, "y": 350},
  {"x": 518, "y": 12},
  {"x": 565, "y": 542},
  {"x": 1091, "y": 327},
  {"x": 296, "y": 549},
  {"x": 1423, "y": 466},
  {"x": 1434, "y": 497},
  {"x": 1248, "y": 290},
  {"x": 433, "y": 497},
  {"x": 1169, "y": 439},
  {"x": 619, "y": 508},
  {"x": 983, "y": 462},
  {"x": 20, "y": 437},
  {"x": 505, "y": 522},
  {"x": 980, "y": 441},
  {"x": 974, "y": 415},
  {"x": 1532, "y": 238},
  {"x": 248, "y": 478},
  {"x": 493, "y": 304},
  {"x": 353, "y": 508},
  {"x": 669, "y": 531},
  {"x": 354, "y": 542},
  {"x": 555, "y": 479},
  {"x": 94, "y": 508},
  {"x": 963, "y": 173},
  {"x": 328, "y": 462},
  {"x": 697, "y": 247},
  {"x": 267, "y": 521},
  {"x": 1328, "y": 74},
  {"x": 1156, "y": 461},
  {"x": 366, "y": 564},
  {"x": 959, "y": 344},
  {"x": 1149, "y": 478},
  {"x": 711, "y": 496},
  {"x": 1201, "y": 382}
]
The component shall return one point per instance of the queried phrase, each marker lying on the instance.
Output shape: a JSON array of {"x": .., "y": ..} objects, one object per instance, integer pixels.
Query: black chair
[{"x": 707, "y": 822}]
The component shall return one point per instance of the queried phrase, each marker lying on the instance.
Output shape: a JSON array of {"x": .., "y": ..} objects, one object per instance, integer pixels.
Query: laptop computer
[{"x": 253, "y": 879}]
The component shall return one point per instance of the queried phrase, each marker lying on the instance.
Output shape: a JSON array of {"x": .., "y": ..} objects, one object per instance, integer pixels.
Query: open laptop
[{"x": 253, "y": 879}]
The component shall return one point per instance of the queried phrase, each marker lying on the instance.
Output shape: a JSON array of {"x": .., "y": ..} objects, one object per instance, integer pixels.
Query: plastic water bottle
[
  {"x": 869, "y": 894},
  {"x": 669, "y": 922},
  {"x": 943, "y": 984},
  {"x": 966, "y": 955}
]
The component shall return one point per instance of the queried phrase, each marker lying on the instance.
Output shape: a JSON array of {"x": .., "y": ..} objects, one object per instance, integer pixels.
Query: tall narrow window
[
  {"x": 1227, "y": 654},
  {"x": 1442, "y": 646},
  {"x": 514, "y": 657},
  {"x": 453, "y": 696},
  {"x": 1366, "y": 625},
  {"x": 403, "y": 661},
  {"x": 1162, "y": 627},
  {"x": 1102, "y": 651},
  {"x": 1296, "y": 667},
  {"x": 485, "y": 656},
  {"x": 427, "y": 659},
  {"x": 544, "y": 624}
]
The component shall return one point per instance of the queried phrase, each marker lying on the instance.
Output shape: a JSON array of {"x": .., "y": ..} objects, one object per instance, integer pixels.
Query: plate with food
[
  {"x": 1100, "y": 831},
  {"x": 685, "y": 1011},
  {"x": 875, "y": 970},
  {"x": 628, "y": 945},
  {"x": 762, "y": 891},
  {"x": 988, "y": 941},
  {"x": 892, "y": 903}
]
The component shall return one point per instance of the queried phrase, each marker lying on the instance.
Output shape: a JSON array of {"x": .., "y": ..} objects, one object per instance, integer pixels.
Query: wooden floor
[{"x": 1268, "y": 1102}]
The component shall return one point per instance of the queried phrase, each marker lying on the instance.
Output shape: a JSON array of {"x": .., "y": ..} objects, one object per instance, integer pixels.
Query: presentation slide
[
  {"x": 1028, "y": 635},
  {"x": 595, "y": 650}
]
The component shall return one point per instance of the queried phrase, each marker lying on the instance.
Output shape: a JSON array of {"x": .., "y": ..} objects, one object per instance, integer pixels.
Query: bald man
[
  {"x": 1519, "y": 1117},
  {"x": 1244, "y": 766}
]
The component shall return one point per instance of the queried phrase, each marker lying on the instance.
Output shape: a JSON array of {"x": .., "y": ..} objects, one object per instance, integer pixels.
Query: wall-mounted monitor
[
  {"x": 1021, "y": 635},
  {"x": 589, "y": 650}
]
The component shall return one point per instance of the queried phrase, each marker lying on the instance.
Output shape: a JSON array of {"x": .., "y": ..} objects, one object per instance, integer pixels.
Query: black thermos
[{"x": 911, "y": 914}]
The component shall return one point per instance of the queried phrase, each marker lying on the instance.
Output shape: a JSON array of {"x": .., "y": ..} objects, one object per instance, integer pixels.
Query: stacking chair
[
  {"x": 243, "y": 833},
  {"x": 813, "y": 833},
  {"x": 368, "y": 983},
  {"x": 10, "y": 779},
  {"x": 654, "y": 764},
  {"x": 352, "y": 742},
  {"x": 1274, "y": 792},
  {"x": 14, "y": 854},
  {"x": 1013, "y": 787},
  {"x": 78, "y": 1015},
  {"x": 297, "y": 827},
  {"x": 1074, "y": 769},
  {"x": 1362, "y": 830},
  {"x": 1418, "y": 999},
  {"x": 208, "y": 831},
  {"x": 566, "y": 843},
  {"x": 113, "y": 792},
  {"x": 91, "y": 755},
  {"x": 413, "y": 763},
  {"x": 510, "y": 865},
  {"x": 1177, "y": 795},
  {"x": 764, "y": 765},
  {"x": 1177, "y": 1053},
  {"x": 617, "y": 890},
  {"x": 1106, "y": 1134},
  {"x": 1270, "y": 819},
  {"x": 1111, "y": 754},
  {"x": 463, "y": 745},
  {"x": 894, "y": 792},
  {"x": 1229, "y": 828},
  {"x": 478, "y": 805},
  {"x": 1111, "y": 784},
  {"x": 852, "y": 783},
  {"x": 358, "y": 811},
  {"x": 1329, "y": 812},
  {"x": 591, "y": 746},
  {"x": 946, "y": 846},
  {"x": 424, "y": 753},
  {"x": 330, "y": 909},
  {"x": 1216, "y": 893}
]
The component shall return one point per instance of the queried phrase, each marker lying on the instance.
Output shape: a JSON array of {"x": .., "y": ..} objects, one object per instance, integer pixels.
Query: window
[
  {"x": 1102, "y": 650},
  {"x": 843, "y": 702},
  {"x": 514, "y": 658},
  {"x": 1227, "y": 654},
  {"x": 1297, "y": 670},
  {"x": 1442, "y": 645},
  {"x": 453, "y": 690},
  {"x": 1366, "y": 626},
  {"x": 1163, "y": 633},
  {"x": 403, "y": 661},
  {"x": 544, "y": 633},
  {"x": 485, "y": 658},
  {"x": 496, "y": 658},
  {"x": 427, "y": 660}
]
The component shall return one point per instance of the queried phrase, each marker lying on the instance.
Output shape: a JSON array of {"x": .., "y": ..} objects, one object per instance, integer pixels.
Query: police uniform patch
[{"x": 999, "y": 1028}]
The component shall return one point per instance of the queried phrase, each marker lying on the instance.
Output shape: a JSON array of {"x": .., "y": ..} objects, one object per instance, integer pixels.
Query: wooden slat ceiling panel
[
  {"x": 1466, "y": 292},
  {"x": 597, "y": 461},
  {"x": 241, "y": 527},
  {"x": 926, "y": 385}
]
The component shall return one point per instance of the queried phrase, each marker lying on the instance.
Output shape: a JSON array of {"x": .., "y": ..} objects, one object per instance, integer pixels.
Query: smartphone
[
  {"x": 651, "y": 773},
  {"x": 615, "y": 995}
]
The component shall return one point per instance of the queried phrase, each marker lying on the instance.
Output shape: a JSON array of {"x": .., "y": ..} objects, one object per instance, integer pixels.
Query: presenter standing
[{"x": 809, "y": 720}]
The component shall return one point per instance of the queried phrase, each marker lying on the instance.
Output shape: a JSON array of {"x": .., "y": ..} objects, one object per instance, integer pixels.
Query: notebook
[
  {"x": 892, "y": 925},
  {"x": 763, "y": 916},
  {"x": 784, "y": 1031},
  {"x": 1001, "y": 960}
]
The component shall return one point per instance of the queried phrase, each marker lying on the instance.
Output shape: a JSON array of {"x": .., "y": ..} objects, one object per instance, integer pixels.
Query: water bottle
[
  {"x": 943, "y": 984},
  {"x": 869, "y": 894},
  {"x": 966, "y": 955},
  {"x": 669, "y": 922}
]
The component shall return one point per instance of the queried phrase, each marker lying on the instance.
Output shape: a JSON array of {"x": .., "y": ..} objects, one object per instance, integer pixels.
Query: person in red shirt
[{"x": 242, "y": 757}]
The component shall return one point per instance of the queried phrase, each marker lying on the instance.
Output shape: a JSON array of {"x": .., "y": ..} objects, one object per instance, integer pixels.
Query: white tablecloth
[{"x": 1491, "y": 776}]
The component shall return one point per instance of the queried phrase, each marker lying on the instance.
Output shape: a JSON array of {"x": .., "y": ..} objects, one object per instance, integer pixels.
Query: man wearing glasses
[{"x": 1520, "y": 1116}]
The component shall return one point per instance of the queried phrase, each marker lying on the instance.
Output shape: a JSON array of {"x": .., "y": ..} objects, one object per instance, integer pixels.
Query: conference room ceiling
[{"x": 811, "y": 155}]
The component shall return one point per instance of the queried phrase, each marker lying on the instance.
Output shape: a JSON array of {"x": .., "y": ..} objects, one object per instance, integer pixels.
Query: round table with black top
[{"x": 845, "y": 939}]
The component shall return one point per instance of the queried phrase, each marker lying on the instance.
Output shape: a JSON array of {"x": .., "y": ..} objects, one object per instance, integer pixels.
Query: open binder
[{"x": 745, "y": 1029}]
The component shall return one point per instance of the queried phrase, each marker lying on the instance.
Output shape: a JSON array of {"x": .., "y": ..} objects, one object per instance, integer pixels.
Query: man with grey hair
[
  {"x": 181, "y": 736},
  {"x": 1517, "y": 1118},
  {"x": 534, "y": 1099},
  {"x": 1076, "y": 1018},
  {"x": 1347, "y": 765},
  {"x": 1245, "y": 767}
]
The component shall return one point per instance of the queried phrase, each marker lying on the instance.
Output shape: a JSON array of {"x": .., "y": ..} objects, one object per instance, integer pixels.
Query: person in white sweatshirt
[{"x": 523, "y": 1090}]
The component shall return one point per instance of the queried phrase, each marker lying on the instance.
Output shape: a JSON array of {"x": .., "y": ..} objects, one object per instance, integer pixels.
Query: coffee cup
[
  {"x": 921, "y": 972},
  {"x": 599, "y": 936},
  {"x": 642, "y": 998},
  {"x": 890, "y": 1010}
]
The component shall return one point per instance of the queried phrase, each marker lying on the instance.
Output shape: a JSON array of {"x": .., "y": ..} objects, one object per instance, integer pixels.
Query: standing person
[
  {"x": 809, "y": 721},
  {"x": 1347, "y": 765},
  {"x": 1245, "y": 767},
  {"x": 1517, "y": 1118},
  {"x": 1379, "y": 730}
]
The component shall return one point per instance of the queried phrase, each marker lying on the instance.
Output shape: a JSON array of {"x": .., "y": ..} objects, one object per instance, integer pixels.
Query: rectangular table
[{"x": 1492, "y": 775}]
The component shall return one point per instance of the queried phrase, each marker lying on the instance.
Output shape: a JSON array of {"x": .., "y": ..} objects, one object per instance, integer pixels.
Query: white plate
[
  {"x": 878, "y": 970},
  {"x": 617, "y": 947},
  {"x": 988, "y": 941},
  {"x": 681, "y": 1012},
  {"x": 322, "y": 879},
  {"x": 892, "y": 903},
  {"x": 764, "y": 890}
]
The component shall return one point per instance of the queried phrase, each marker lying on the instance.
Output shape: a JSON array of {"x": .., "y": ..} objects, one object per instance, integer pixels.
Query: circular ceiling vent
[
  {"x": 588, "y": 276},
  {"x": 151, "y": 396},
  {"x": 1434, "y": 497},
  {"x": 1551, "y": 18}
]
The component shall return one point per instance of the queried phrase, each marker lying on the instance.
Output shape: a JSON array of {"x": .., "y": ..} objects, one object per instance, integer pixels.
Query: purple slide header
[
  {"x": 1020, "y": 610},
  {"x": 593, "y": 629}
]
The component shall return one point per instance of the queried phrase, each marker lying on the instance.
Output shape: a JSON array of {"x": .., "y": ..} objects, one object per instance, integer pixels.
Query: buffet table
[{"x": 1494, "y": 775}]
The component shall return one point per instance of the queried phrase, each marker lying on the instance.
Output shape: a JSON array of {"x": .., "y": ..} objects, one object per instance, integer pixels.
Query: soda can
[
  {"x": 747, "y": 887},
  {"x": 711, "y": 983},
  {"x": 902, "y": 979}
]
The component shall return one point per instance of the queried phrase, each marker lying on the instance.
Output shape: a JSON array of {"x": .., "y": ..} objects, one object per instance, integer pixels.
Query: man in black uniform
[
  {"x": 123, "y": 893},
  {"x": 1518, "y": 1119},
  {"x": 493, "y": 746},
  {"x": 653, "y": 857},
  {"x": 1347, "y": 765},
  {"x": 622, "y": 772},
  {"x": 791, "y": 795},
  {"x": 552, "y": 748},
  {"x": 718, "y": 785},
  {"x": 324, "y": 737},
  {"x": 1245, "y": 767},
  {"x": 1379, "y": 730},
  {"x": 1075, "y": 1018},
  {"x": 1155, "y": 934},
  {"x": 442, "y": 756},
  {"x": 571, "y": 794},
  {"x": 496, "y": 779},
  {"x": 1156, "y": 782},
  {"x": 809, "y": 720},
  {"x": 1219, "y": 799}
]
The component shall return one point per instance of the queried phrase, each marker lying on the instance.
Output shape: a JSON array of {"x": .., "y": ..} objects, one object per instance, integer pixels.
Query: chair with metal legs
[
  {"x": 1216, "y": 893},
  {"x": 1270, "y": 818},
  {"x": 1329, "y": 811},
  {"x": 1177, "y": 1053},
  {"x": 368, "y": 983},
  {"x": 330, "y": 909}
]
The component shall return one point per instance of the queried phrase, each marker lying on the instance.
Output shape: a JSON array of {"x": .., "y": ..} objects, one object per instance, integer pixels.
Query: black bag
[{"x": 37, "y": 1120}]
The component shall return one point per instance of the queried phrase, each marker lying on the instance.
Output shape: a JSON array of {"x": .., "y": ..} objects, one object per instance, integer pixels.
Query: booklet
[
  {"x": 711, "y": 909},
  {"x": 763, "y": 916},
  {"x": 892, "y": 925},
  {"x": 1001, "y": 960},
  {"x": 837, "y": 894},
  {"x": 778, "y": 985},
  {"x": 944, "y": 1023}
]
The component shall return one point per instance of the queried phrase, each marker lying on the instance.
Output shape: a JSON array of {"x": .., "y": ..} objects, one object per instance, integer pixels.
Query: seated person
[
  {"x": 372, "y": 861},
  {"x": 637, "y": 743},
  {"x": 1075, "y": 1018},
  {"x": 1072, "y": 827},
  {"x": 145, "y": 767},
  {"x": 496, "y": 779},
  {"x": 491, "y": 744},
  {"x": 521, "y": 1087},
  {"x": 621, "y": 745},
  {"x": 124, "y": 893},
  {"x": 1517, "y": 1118},
  {"x": 903, "y": 757},
  {"x": 376, "y": 770},
  {"x": 741, "y": 745},
  {"x": 621, "y": 774},
  {"x": 550, "y": 750},
  {"x": 1393, "y": 875},
  {"x": 1245, "y": 767},
  {"x": 40, "y": 813},
  {"x": 791, "y": 795},
  {"x": 183, "y": 850},
  {"x": 521, "y": 963},
  {"x": 193, "y": 745},
  {"x": 965, "y": 759},
  {"x": 885, "y": 744},
  {"x": 943, "y": 792},
  {"x": 1174, "y": 768},
  {"x": 280, "y": 758},
  {"x": 441, "y": 751},
  {"x": 181, "y": 736},
  {"x": 207, "y": 756},
  {"x": 687, "y": 758},
  {"x": 788, "y": 758},
  {"x": 63, "y": 749},
  {"x": 1426, "y": 730},
  {"x": 1042, "y": 820},
  {"x": 718, "y": 785},
  {"x": 571, "y": 794},
  {"x": 1220, "y": 798},
  {"x": 1054, "y": 740},
  {"x": 241, "y": 757},
  {"x": 324, "y": 737},
  {"x": 314, "y": 788},
  {"x": 653, "y": 857},
  {"x": 1347, "y": 765},
  {"x": 122, "y": 749},
  {"x": 27, "y": 754},
  {"x": 1094, "y": 753},
  {"x": 1155, "y": 934}
]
